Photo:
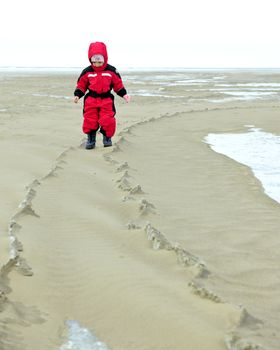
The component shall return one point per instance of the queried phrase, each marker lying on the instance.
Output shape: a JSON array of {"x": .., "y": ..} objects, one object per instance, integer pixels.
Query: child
[{"x": 99, "y": 110}]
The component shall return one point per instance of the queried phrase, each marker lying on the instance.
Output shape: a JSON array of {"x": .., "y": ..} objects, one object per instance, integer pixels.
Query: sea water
[{"x": 221, "y": 87}]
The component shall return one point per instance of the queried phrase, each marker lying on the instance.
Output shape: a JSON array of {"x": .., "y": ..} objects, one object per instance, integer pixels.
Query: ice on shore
[
  {"x": 81, "y": 338},
  {"x": 257, "y": 149}
]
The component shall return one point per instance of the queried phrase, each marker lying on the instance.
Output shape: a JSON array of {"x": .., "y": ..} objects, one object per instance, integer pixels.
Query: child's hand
[
  {"x": 127, "y": 98},
  {"x": 76, "y": 99}
]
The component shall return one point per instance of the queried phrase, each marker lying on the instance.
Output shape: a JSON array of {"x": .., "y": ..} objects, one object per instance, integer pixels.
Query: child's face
[
  {"x": 97, "y": 60},
  {"x": 97, "y": 63}
]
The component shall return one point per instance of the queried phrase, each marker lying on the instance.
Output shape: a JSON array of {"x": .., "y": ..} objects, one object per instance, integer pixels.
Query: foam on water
[
  {"x": 253, "y": 85},
  {"x": 147, "y": 93},
  {"x": 80, "y": 338},
  {"x": 250, "y": 93},
  {"x": 52, "y": 96},
  {"x": 257, "y": 149}
]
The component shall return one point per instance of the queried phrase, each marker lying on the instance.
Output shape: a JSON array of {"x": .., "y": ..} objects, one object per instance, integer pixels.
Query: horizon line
[{"x": 139, "y": 67}]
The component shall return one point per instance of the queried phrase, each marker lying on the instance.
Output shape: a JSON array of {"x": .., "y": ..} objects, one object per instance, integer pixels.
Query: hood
[{"x": 98, "y": 48}]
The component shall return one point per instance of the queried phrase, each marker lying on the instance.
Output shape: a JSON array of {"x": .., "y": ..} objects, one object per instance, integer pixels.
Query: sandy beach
[{"x": 158, "y": 242}]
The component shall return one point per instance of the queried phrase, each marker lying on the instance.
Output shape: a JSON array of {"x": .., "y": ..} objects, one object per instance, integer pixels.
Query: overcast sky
[{"x": 143, "y": 33}]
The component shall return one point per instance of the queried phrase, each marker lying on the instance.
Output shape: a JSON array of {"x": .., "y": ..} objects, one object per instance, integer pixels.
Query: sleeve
[
  {"x": 118, "y": 84},
  {"x": 82, "y": 85}
]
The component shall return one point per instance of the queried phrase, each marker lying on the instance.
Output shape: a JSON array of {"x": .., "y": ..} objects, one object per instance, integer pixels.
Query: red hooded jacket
[{"x": 99, "y": 80}]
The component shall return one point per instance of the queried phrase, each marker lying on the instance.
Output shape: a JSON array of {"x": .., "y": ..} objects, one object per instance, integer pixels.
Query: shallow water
[{"x": 216, "y": 88}]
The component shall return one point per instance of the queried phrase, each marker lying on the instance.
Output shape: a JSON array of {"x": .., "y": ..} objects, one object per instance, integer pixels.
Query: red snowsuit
[{"x": 99, "y": 108}]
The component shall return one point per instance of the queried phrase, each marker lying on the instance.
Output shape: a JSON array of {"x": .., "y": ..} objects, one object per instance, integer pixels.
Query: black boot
[
  {"x": 91, "y": 139},
  {"x": 107, "y": 141}
]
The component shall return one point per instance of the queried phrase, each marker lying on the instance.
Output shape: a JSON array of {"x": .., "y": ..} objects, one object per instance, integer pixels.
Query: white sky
[{"x": 143, "y": 33}]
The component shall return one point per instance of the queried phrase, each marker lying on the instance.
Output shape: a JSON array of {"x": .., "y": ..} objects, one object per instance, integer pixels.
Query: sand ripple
[{"x": 136, "y": 242}]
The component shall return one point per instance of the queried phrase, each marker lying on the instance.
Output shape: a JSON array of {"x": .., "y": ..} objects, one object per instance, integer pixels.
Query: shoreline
[{"x": 71, "y": 70}]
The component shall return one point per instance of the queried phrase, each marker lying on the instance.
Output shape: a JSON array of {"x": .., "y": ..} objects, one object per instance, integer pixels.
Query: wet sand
[{"x": 155, "y": 243}]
